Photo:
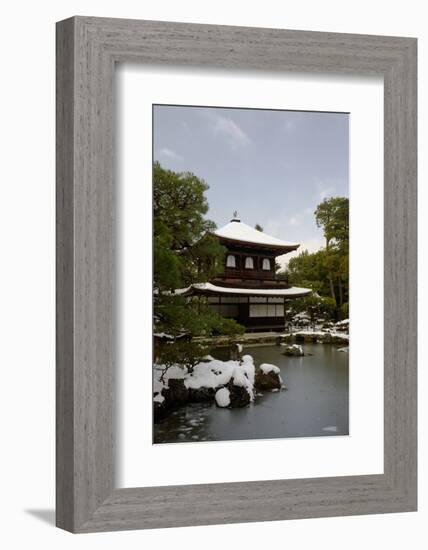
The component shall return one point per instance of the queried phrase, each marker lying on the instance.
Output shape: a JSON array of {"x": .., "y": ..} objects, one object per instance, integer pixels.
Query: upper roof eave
[{"x": 282, "y": 249}]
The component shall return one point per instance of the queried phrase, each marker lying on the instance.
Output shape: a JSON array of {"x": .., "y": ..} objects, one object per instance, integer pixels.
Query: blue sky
[{"x": 273, "y": 167}]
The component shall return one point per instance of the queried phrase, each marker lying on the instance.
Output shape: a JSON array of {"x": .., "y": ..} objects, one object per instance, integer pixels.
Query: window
[
  {"x": 257, "y": 300},
  {"x": 249, "y": 263},
  {"x": 231, "y": 261},
  {"x": 266, "y": 264},
  {"x": 266, "y": 310},
  {"x": 258, "y": 310}
]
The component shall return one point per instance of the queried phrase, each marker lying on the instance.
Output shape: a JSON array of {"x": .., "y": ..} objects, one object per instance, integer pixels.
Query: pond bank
[{"x": 275, "y": 338}]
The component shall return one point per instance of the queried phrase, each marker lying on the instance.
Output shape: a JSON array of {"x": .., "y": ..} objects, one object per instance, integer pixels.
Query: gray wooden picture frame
[{"x": 87, "y": 50}]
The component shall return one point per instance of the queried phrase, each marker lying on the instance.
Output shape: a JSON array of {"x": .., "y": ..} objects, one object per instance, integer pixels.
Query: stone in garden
[
  {"x": 201, "y": 395},
  {"x": 177, "y": 393},
  {"x": 293, "y": 350},
  {"x": 267, "y": 377},
  {"x": 240, "y": 395},
  {"x": 160, "y": 407}
]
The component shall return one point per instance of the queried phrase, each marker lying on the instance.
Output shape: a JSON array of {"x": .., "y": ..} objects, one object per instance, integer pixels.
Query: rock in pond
[
  {"x": 201, "y": 395},
  {"x": 234, "y": 395},
  {"x": 294, "y": 350},
  {"x": 268, "y": 377},
  {"x": 177, "y": 393},
  {"x": 240, "y": 395},
  {"x": 160, "y": 408}
]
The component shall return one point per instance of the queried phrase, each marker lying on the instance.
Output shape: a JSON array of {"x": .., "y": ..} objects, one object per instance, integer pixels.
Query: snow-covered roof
[
  {"x": 239, "y": 231},
  {"x": 209, "y": 288}
]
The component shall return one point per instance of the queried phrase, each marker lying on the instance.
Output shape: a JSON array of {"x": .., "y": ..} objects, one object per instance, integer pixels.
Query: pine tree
[{"x": 185, "y": 252}]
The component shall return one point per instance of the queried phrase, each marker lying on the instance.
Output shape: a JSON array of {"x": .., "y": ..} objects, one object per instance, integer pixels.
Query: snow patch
[
  {"x": 240, "y": 231},
  {"x": 266, "y": 368},
  {"x": 209, "y": 287},
  {"x": 159, "y": 398},
  {"x": 222, "y": 397},
  {"x": 240, "y": 378},
  {"x": 250, "y": 370}
]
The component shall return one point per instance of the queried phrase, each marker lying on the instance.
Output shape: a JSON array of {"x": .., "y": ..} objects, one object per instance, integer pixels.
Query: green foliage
[
  {"x": 185, "y": 252},
  {"x": 314, "y": 305},
  {"x": 327, "y": 270},
  {"x": 309, "y": 270},
  {"x": 333, "y": 216}
]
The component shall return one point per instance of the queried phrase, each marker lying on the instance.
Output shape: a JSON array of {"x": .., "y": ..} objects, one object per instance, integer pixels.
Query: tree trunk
[
  {"x": 333, "y": 295},
  {"x": 340, "y": 292}
]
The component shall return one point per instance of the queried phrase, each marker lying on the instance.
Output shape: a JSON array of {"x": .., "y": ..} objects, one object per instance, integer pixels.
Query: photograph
[
  {"x": 210, "y": 275},
  {"x": 250, "y": 274}
]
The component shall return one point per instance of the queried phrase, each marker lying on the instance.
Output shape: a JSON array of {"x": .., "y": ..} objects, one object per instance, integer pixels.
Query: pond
[{"x": 314, "y": 404}]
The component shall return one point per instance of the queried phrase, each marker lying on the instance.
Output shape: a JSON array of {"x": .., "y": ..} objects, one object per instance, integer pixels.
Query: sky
[{"x": 273, "y": 167}]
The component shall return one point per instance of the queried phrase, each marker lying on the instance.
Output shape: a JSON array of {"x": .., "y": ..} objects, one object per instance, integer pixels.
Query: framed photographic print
[{"x": 236, "y": 282}]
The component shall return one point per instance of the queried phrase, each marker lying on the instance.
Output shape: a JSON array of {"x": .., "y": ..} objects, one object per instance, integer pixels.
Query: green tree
[
  {"x": 185, "y": 252},
  {"x": 333, "y": 216},
  {"x": 327, "y": 270},
  {"x": 314, "y": 305}
]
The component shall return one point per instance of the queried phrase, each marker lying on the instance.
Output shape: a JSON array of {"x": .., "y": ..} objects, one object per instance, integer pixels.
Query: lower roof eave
[{"x": 208, "y": 289}]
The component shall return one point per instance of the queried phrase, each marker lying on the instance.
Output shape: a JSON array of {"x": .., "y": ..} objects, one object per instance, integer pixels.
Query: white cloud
[
  {"x": 225, "y": 127},
  {"x": 169, "y": 153}
]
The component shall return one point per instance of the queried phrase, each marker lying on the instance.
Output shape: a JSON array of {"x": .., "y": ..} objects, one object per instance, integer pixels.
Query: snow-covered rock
[
  {"x": 158, "y": 398},
  {"x": 268, "y": 377},
  {"x": 177, "y": 393},
  {"x": 266, "y": 368},
  {"x": 240, "y": 378},
  {"x": 293, "y": 350},
  {"x": 160, "y": 405},
  {"x": 222, "y": 397},
  {"x": 240, "y": 396},
  {"x": 342, "y": 325},
  {"x": 202, "y": 384}
]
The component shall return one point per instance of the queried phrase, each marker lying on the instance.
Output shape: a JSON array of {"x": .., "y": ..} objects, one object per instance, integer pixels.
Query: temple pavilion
[{"x": 249, "y": 290}]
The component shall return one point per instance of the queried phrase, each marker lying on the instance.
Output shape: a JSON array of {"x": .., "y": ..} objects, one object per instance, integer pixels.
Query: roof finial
[{"x": 235, "y": 217}]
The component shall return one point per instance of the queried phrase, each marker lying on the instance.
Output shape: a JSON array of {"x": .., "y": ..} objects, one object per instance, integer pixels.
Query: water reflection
[{"x": 315, "y": 404}]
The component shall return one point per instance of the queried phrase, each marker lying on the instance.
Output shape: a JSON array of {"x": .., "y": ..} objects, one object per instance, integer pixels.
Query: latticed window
[
  {"x": 249, "y": 263},
  {"x": 231, "y": 261},
  {"x": 266, "y": 264}
]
